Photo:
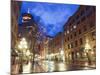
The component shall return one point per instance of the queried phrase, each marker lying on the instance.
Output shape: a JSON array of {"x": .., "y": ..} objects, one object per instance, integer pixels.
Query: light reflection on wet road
[{"x": 51, "y": 66}]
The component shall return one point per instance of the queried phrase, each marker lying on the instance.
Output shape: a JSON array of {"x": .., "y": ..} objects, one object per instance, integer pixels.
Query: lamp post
[
  {"x": 22, "y": 46},
  {"x": 31, "y": 29},
  {"x": 62, "y": 49},
  {"x": 87, "y": 51}
]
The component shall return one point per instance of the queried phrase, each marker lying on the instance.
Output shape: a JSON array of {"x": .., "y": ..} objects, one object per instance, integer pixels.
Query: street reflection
[
  {"x": 61, "y": 67},
  {"x": 51, "y": 66},
  {"x": 85, "y": 68},
  {"x": 86, "y": 64},
  {"x": 27, "y": 67}
]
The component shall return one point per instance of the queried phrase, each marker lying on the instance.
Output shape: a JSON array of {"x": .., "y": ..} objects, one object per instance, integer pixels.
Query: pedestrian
[
  {"x": 21, "y": 68},
  {"x": 89, "y": 59},
  {"x": 56, "y": 58}
]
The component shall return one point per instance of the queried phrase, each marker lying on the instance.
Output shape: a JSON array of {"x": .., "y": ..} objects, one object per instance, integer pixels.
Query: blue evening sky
[{"x": 50, "y": 17}]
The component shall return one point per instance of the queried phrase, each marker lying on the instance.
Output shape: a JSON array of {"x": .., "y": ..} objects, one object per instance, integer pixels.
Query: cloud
[{"x": 49, "y": 15}]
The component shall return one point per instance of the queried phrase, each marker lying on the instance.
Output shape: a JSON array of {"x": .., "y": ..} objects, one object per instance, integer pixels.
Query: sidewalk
[
  {"x": 27, "y": 67},
  {"x": 38, "y": 68},
  {"x": 85, "y": 64},
  {"x": 15, "y": 69}
]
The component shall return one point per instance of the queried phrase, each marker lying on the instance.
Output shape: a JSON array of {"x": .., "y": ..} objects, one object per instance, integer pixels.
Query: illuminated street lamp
[
  {"x": 22, "y": 46},
  {"x": 27, "y": 53},
  {"x": 31, "y": 30},
  {"x": 87, "y": 46},
  {"x": 62, "y": 55},
  {"x": 87, "y": 51}
]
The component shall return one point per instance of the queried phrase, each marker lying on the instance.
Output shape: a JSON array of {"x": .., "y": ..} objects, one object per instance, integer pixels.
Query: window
[
  {"x": 84, "y": 27},
  {"x": 78, "y": 22},
  {"x": 79, "y": 31},
  {"x": 65, "y": 40},
  {"x": 71, "y": 45},
  {"x": 72, "y": 21},
  {"x": 68, "y": 38},
  {"x": 76, "y": 43},
  {"x": 87, "y": 8},
  {"x": 81, "y": 41},
  {"x": 68, "y": 46},
  {"x": 71, "y": 37},
  {"x": 77, "y": 17},
  {"x": 94, "y": 8},
  {"x": 67, "y": 31},
  {"x": 82, "y": 12},
  {"x": 94, "y": 35},
  {"x": 91, "y": 24},
  {"x": 83, "y": 18},
  {"x": 71, "y": 29},
  {"x": 74, "y": 33},
  {"x": 89, "y": 13},
  {"x": 74, "y": 26}
]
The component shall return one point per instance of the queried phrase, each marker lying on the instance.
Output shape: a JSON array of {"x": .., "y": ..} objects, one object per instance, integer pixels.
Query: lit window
[
  {"x": 67, "y": 31},
  {"x": 70, "y": 46},
  {"x": 71, "y": 29},
  {"x": 74, "y": 26}
]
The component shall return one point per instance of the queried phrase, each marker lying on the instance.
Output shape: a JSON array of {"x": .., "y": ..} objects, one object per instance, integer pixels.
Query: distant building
[
  {"x": 28, "y": 25},
  {"x": 80, "y": 33},
  {"x": 28, "y": 29},
  {"x": 56, "y": 46}
]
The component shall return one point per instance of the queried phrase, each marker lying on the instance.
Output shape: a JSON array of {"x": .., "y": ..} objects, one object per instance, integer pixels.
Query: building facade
[
  {"x": 80, "y": 35},
  {"x": 15, "y": 11},
  {"x": 56, "y": 49},
  {"x": 28, "y": 29}
]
